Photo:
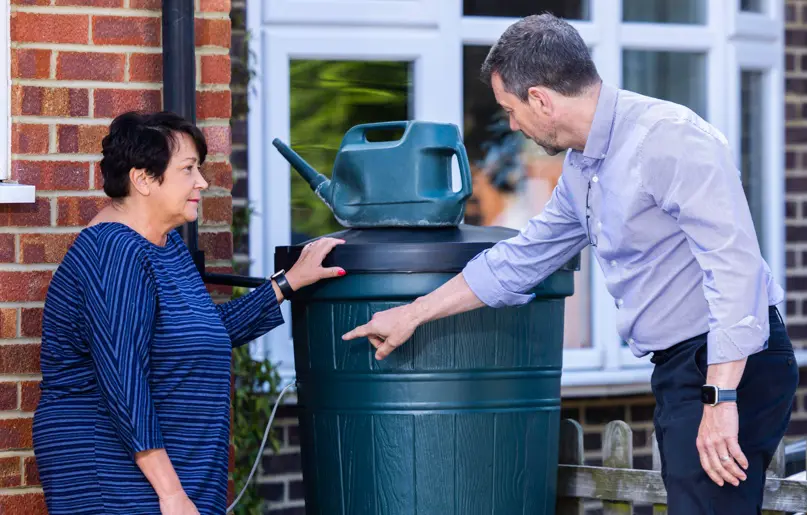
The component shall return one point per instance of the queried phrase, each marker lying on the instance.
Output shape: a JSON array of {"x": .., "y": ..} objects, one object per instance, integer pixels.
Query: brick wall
[{"x": 76, "y": 64}]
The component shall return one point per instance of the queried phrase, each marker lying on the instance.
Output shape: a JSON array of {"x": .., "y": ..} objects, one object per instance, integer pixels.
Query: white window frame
[
  {"x": 10, "y": 192},
  {"x": 731, "y": 40}
]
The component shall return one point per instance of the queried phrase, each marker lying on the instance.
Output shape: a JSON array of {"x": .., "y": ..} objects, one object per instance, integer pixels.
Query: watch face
[{"x": 708, "y": 394}]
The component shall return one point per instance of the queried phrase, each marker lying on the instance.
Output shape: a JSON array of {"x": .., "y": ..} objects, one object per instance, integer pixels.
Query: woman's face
[{"x": 181, "y": 189}]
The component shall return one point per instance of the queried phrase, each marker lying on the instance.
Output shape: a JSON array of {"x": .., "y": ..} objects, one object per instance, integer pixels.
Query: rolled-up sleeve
[
  {"x": 701, "y": 188},
  {"x": 504, "y": 274}
]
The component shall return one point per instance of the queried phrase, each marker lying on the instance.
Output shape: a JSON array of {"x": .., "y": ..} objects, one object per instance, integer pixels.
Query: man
[{"x": 654, "y": 189}]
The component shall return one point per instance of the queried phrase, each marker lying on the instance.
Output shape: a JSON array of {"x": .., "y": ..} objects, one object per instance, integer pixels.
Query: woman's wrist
[{"x": 158, "y": 469}]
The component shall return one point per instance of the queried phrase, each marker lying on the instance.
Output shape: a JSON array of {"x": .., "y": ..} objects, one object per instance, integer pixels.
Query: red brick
[
  {"x": 213, "y": 104},
  {"x": 79, "y": 211},
  {"x": 218, "y": 174},
  {"x": 7, "y": 248},
  {"x": 29, "y": 138},
  {"x": 217, "y": 245},
  {"x": 30, "y": 395},
  {"x": 213, "y": 32},
  {"x": 218, "y": 140},
  {"x": 52, "y": 175},
  {"x": 24, "y": 286},
  {"x": 31, "y": 322},
  {"x": 35, "y": 101},
  {"x": 145, "y": 67},
  {"x": 29, "y": 63},
  {"x": 8, "y": 396},
  {"x": 8, "y": 323},
  {"x": 112, "y": 102},
  {"x": 44, "y": 248},
  {"x": 216, "y": 69},
  {"x": 99, "y": 177},
  {"x": 49, "y": 28},
  {"x": 19, "y": 359},
  {"x": 99, "y": 66},
  {"x": 30, "y": 2},
  {"x": 31, "y": 471},
  {"x": 23, "y": 504},
  {"x": 145, "y": 4},
  {"x": 10, "y": 472},
  {"x": 25, "y": 215},
  {"x": 217, "y": 210},
  {"x": 125, "y": 30},
  {"x": 83, "y": 139},
  {"x": 219, "y": 6},
  {"x": 91, "y": 3}
]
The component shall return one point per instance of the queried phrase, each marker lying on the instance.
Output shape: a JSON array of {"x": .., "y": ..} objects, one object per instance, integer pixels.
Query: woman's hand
[
  {"x": 177, "y": 504},
  {"x": 308, "y": 268}
]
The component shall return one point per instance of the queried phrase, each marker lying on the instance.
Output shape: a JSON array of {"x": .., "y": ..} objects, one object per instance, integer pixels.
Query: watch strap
[
  {"x": 726, "y": 395},
  {"x": 283, "y": 284}
]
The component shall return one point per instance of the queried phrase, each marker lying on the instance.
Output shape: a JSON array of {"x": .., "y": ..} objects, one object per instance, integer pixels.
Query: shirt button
[
  {"x": 595, "y": 179},
  {"x": 620, "y": 301},
  {"x": 613, "y": 263},
  {"x": 599, "y": 225},
  {"x": 631, "y": 341}
]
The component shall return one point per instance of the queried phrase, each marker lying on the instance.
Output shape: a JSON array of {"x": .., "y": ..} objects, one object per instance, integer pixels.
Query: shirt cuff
[
  {"x": 487, "y": 287},
  {"x": 746, "y": 337}
]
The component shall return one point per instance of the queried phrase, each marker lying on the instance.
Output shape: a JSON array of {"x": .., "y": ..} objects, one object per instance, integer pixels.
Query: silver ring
[{"x": 724, "y": 458}]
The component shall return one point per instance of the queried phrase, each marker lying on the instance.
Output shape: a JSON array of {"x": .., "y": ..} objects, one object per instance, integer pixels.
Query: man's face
[{"x": 532, "y": 118}]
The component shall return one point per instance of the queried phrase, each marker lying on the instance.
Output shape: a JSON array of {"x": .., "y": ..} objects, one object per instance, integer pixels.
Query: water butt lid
[{"x": 412, "y": 250}]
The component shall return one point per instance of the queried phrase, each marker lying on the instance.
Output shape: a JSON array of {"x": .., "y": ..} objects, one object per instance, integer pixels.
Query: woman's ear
[{"x": 140, "y": 181}]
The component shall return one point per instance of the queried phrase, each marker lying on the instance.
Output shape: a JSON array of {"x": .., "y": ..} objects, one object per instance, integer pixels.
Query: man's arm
[
  {"x": 497, "y": 277},
  {"x": 697, "y": 183}
]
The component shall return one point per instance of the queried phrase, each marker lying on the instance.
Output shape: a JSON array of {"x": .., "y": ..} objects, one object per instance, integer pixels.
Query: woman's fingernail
[{"x": 341, "y": 272}]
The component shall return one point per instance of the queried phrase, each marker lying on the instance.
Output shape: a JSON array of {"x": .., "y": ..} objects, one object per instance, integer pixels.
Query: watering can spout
[{"x": 318, "y": 182}]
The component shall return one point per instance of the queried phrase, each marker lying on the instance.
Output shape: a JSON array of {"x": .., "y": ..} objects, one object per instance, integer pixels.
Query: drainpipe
[{"x": 179, "y": 96}]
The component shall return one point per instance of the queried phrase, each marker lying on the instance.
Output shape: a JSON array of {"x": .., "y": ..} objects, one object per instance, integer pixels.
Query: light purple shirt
[{"x": 671, "y": 225}]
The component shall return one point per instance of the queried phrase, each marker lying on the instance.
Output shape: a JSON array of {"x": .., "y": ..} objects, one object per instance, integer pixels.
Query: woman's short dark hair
[
  {"x": 541, "y": 50},
  {"x": 146, "y": 141}
]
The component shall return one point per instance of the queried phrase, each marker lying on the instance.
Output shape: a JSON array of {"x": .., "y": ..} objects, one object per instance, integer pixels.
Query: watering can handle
[
  {"x": 358, "y": 133},
  {"x": 465, "y": 172}
]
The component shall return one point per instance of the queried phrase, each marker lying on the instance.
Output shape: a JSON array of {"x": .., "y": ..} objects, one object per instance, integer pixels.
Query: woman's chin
[{"x": 191, "y": 214}]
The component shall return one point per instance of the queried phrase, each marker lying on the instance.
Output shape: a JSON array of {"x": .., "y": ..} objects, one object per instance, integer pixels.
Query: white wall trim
[{"x": 5, "y": 91}]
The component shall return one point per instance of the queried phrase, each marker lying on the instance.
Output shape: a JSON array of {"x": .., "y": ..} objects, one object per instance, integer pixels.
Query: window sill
[
  {"x": 625, "y": 381},
  {"x": 11, "y": 193}
]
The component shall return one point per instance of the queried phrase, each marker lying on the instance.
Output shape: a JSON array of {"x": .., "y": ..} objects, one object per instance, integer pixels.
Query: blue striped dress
[{"x": 135, "y": 356}]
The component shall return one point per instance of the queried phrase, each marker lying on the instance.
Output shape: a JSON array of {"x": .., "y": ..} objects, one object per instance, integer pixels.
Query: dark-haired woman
[{"x": 135, "y": 407}]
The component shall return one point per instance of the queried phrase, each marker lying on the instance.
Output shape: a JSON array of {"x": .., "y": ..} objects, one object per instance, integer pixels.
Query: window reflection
[
  {"x": 569, "y": 9},
  {"x": 679, "y": 77},
  {"x": 754, "y": 6},
  {"x": 328, "y": 98},
  {"x": 513, "y": 179},
  {"x": 751, "y": 144},
  {"x": 665, "y": 11}
]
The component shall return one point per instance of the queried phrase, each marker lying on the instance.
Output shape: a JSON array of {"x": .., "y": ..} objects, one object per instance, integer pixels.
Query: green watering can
[{"x": 402, "y": 183}]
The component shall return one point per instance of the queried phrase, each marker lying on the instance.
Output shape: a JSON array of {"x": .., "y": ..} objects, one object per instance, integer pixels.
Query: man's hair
[{"x": 541, "y": 50}]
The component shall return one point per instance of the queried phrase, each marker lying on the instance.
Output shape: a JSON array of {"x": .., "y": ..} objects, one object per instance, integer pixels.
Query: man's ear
[
  {"x": 540, "y": 100},
  {"x": 140, "y": 180}
]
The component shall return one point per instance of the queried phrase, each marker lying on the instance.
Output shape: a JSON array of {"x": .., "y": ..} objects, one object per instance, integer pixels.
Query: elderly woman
[{"x": 135, "y": 409}]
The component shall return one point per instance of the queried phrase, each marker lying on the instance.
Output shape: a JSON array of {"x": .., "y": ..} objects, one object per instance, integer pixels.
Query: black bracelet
[{"x": 283, "y": 284}]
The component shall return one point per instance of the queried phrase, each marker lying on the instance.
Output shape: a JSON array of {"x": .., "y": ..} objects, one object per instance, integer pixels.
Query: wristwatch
[
  {"x": 712, "y": 395},
  {"x": 279, "y": 277}
]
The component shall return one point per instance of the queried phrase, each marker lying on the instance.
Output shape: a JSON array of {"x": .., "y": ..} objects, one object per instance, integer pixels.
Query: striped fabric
[{"x": 136, "y": 355}]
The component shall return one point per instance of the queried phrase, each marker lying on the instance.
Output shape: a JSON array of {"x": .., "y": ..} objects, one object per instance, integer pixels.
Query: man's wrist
[{"x": 726, "y": 376}]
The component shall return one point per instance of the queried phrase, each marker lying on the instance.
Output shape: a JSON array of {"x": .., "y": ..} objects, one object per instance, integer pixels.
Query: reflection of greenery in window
[
  {"x": 328, "y": 98},
  {"x": 665, "y": 11}
]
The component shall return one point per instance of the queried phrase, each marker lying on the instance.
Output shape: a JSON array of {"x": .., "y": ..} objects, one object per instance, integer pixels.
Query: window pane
[
  {"x": 665, "y": 11},
  {"x": 513, "y": 179},
  {"x": 679, "y": 77},
  {"x": 327, "y": 99},
  {"x": 570, "y": 9},
  {"x": 751, "y": 150},
  {"x": 754, "y": 6}
]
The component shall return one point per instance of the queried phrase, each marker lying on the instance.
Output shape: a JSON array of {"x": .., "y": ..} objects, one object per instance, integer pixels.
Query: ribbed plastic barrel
[{"x": 462, "y": 419}]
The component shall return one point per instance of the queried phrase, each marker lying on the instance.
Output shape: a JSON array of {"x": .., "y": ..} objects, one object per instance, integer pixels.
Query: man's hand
[
  {"x": 388, "y": 329},
  {"x": 719, "y": 449}
]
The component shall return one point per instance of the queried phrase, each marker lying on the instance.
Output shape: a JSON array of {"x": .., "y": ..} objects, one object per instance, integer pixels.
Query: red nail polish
[{"x": 341, "y": 273}]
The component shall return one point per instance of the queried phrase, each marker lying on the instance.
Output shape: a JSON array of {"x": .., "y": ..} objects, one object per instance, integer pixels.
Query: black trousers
[{"x": 764, "y": 402}]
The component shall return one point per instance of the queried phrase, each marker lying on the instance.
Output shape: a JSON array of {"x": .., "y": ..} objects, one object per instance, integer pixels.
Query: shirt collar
[{"x": 600, "y": 135}]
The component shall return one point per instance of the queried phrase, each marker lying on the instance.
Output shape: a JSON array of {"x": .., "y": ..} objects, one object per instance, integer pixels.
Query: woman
[{"x": 135, "y": 409}]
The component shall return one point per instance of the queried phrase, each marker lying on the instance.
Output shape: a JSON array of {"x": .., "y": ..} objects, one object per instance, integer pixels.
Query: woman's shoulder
[{"x": 112, "y": 241}]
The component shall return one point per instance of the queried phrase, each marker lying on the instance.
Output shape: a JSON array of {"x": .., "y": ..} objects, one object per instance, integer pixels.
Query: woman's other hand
[
  {"x": 308, "y": 269},
  {"x": 177, "y": 504}
]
